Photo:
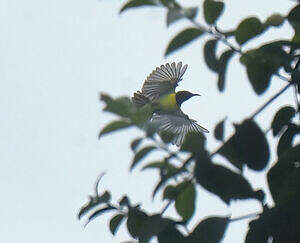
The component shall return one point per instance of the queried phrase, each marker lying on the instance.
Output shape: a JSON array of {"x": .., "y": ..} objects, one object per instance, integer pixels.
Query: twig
[{"x": 166, "y": 207}]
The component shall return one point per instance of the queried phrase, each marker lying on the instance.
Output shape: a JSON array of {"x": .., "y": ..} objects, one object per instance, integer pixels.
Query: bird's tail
[{"x": 139, "y": 99}]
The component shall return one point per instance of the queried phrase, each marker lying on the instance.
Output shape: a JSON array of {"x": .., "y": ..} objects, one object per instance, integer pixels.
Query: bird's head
[{"x": 182, "y": 96}]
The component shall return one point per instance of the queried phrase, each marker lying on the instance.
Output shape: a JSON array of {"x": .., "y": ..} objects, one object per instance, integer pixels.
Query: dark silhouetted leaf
[
  {"x": 222, "y": 67},
  {"x": 136, "y": 220},
  {"x": 185, "y": 200},
  {"x": 223, "y": 182},
  {"x": 175, "y": 14},
  {"x": 248, "y": 29},
  {"x": 285, "y": 141},
  {"x": 171, "y": 235},
  {"x": 210, "y": 55},
  {"x": 125, "y": 201},
  {"x": 193, "y": 142},
  {"x": 282, "y": 119},
  {"x": 294, "y": 18},
  {"x": 115, "y": 222},
  {"x": 170, "y": 192},
  {"x": 219, "y": 130},
  {"x": 99, "y": 212},
  {"x": 275, "y": 20},
  {"x": 183, "y": 38},
  {"x": 135, "y": 143},
  {"x": 210, "y": 230},
  {"x": 212, "y": 10},
  {"x": 114, "y": 126},
  {"x": 284, "y": 177},
  {"x": 140, "y": 155},
  {"x": 93, "y": 202},
  {"x": 137, "y": 3}
]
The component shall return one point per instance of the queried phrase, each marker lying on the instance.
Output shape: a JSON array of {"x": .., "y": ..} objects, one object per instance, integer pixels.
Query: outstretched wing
[
  {"x": 177, "y": 123},
  {"x": 163, "y": 80}
]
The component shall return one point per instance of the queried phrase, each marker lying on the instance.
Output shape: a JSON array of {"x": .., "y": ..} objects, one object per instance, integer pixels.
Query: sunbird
[{"x": 158, "y": 90}]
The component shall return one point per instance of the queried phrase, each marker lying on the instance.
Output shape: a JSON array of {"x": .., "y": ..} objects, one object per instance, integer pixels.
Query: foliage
[{"x": 247, "y": 147}]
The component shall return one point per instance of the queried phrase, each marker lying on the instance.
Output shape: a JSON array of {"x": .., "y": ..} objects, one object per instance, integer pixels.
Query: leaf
[
  {"x": 275, "y": 20},
  {"x": 135, "y": 143},
  {"x": 212, "y": 10},
  {"x": 210, "y": 230},
  {"x": 99, "y": 212},
  {"x": 224, "y": 183},
  {"x": 193, "y": 142},
  {"x": 210, "y": 55},
  {"x": 222, "y": 67},
  {"x": 282, "y": 119},
  {"x": 174, "y": 14},
  {"x": 114, "y": 126},
  {"x": 182, "y": 39},
  {"x": 115, "y": 222},
  {"x": 140, "y": 155},
  {"x": 135, "y": 221},
  {"x": 285, "y": 141},
  {"x": 125, "y": 202},
  {"x": 219, "y": 130},
  {"x": 284, "y": 177},
  {"x": 171, "y": 235},
  {"x": 137, "y": 3},
  {"x": 93, "y": 202},
  {"x": 170, "y": 192},
  {"x": 294, "y": 18},
  {"x": 185, "y": 200},
  {"x": 248, "y": 29}
]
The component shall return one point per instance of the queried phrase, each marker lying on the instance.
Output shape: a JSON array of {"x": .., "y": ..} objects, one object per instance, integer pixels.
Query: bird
[{"x": 158, "y": 90}]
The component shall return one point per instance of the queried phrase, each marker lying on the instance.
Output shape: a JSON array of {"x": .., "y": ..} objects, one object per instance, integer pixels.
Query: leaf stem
[{"x": 250, "y": 215}]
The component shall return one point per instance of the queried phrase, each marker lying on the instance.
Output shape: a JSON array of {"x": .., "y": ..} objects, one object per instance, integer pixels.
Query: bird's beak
[{"x": 196, "y": 95}]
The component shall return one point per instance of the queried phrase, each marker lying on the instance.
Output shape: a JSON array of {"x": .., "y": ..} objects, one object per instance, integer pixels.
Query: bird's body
[{"x": 159, "y": 91}]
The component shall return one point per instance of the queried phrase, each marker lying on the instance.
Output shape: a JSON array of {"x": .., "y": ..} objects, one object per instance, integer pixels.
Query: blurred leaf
[
  {"x": 193, "y": 142},
  {"x": 141, "y": 115},
  {"x": 210, "y": 230},
  {"x": 169, "y": 3},
  {"x": 185, "y": 200},
  {"x": 222, "y": 67},
  {"x": 212, "y": 10},
  {"x": 219, "y": 130},
  {"x": 174, "y": 14},
  {"x": 210, "y": 55},
  {"x": 284, "y": 177},
  {"x": 182, "y": 39},
  {"x": 285, "y": 141},
  {"x": 223, "y": 182},
  {"x": 294, "y": 18},
  {"x": 275, "y": 20},
  {"x": 282, "y": 119},
  {"x": 135, "y": 143},
  {"x": 171, "y": 235},
  {"x": 140, "y": 155},
  {"x": 99, "y": 212},
  {"x": 125, "y": 202},
  {"x": 93, "y": 202},
  {"x": 137, "y": 3},
  {"x": 170, "y": 192},
  {"x": 135, "y": 222},
  {"x": 114, "y": 126},
  {"x": 248, "y": 29},
  {"x": 115, "y": 222}
]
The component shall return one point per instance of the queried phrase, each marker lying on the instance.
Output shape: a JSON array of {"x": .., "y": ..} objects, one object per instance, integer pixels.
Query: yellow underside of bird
[{"x": 168, "y": 103}]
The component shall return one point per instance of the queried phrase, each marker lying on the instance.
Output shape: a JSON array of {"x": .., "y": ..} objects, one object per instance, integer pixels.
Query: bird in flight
[{"x": 158, "y": 90}]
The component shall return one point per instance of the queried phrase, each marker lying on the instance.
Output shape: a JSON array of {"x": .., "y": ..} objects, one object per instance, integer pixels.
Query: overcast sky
[{"x": 56, "y": 56}]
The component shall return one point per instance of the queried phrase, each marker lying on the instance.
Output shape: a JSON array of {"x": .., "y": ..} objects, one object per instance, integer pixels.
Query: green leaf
[
  {"x": 136, "y": 220},
  {"x": 284, "y": 177},
  {"x": 182, "y": 39},
  {"x": 114, "y": 126},
  {"x": 93, "y": 202},
  {"x": 282, "y": 119},
  {"x": 115, "y": 222},
  {"x": 212, "y": 10},
  {"x": 222, "y": 67},
  {"x": 248, "y": 29},
  {"x": 170, "y": 192},
  {"x": 137, "y": 3},
  {"x": 210, "y": 230},
  {"x": 224, "y": 183},
  {"x": 193, "y": 142},
  {"x": 210, "y": 55},
  {"x": 135, "y": 143},
  {"x": 174, "y": 14},
  {"x": 294, "y": 18},
  {"x": 185, "y": 200},
  {"x": 275, "y": 20},
  {"x": 140, "y": 155},
  {"x": 99, "y": 212},
  {"x": 171, "y": 235},
  {"x": 219, "y": 130},
  {"x": 285, "y": 141}
]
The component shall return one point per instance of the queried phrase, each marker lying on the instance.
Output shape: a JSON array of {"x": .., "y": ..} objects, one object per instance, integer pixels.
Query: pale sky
[{"x": 56, "y": 56}]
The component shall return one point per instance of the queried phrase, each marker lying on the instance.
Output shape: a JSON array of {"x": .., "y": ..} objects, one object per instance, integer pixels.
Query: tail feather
[{"x": 139, "y": 99}]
